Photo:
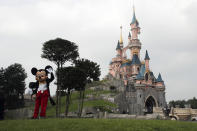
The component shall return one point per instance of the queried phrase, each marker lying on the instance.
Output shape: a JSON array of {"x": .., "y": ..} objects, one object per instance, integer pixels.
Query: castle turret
[
  {"x": 159, "y": 81},
  {"x": 135, "y": 29},
  {"x": 134, "y": 43},
  {"x": 129, "y": 36},
  {"x": 119, "y": 50},
  {"x": 147, "y": 58}
]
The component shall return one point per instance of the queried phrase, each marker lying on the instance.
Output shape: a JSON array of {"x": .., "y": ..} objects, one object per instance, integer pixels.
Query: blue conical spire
[
  {"x": 134, "y": 17},
  {"x": 134, "y": 20},
  {"x": 118, "y": 46},
  {"x": 159, "y": 79},
  {"x": 129, "y": 35},
  {"x": 135, "y": 60},
  {"x": 146, "y": 56}
]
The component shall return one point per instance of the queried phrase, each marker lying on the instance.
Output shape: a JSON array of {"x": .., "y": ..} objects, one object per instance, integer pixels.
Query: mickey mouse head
[{"x": 41, "y": 74}]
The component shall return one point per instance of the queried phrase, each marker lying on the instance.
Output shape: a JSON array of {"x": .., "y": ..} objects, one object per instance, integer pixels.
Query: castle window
[
  {"x": 140, "y": 95},
  {"x": 138, "y": 69},
  {"x": 146, "y": 77}
]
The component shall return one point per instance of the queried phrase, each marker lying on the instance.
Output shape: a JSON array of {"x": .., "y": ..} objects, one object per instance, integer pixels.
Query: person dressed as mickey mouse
[{"x": 41, "y": 90}]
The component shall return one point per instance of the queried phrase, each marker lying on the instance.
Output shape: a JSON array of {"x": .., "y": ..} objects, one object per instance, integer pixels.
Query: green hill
[{"x": 94, "y": 102}]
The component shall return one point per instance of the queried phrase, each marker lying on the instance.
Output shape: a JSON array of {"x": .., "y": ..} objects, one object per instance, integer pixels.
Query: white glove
[{"x": 50, "y": 70}]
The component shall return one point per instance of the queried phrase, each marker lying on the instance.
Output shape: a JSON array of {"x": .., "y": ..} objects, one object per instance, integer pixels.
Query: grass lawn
[{"x": 96, "y": 125}]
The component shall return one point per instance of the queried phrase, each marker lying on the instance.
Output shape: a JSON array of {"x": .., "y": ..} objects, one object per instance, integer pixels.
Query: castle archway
[{"x": 149, "y": 104}]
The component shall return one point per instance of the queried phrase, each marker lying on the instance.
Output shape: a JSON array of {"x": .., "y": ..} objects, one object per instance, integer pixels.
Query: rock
[
  {"x": 21, "y": 113},
  {"x": 89, "y": 110}
]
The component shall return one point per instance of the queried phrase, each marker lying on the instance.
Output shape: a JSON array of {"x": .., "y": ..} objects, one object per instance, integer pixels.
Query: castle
[{"x": 142, "y": 91}]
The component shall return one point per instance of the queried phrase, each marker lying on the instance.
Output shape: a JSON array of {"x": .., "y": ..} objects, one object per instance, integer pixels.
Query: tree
[
  {"x": 182, "y": 103},
  {"x": 92, "y": 71},
  {"x": 14, "y": 84},
  {"x": 59, "y": 51},
  {"x": 2, "y": 78},
  {"x": 72, "y": 78},
  {"x": 193, "y": 103}
]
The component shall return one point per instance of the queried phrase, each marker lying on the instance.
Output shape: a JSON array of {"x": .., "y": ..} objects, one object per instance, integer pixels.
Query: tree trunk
[
  {"x": 82, "y": 100},
  {"x": 67, "y": 102},
  {"x": 57, "y": 91},
  {"x": 60, "y": 93},
  {"x": 70, "y": 97},
  {"x": 79, "y": 103},
  {"x": 59, "y": 111}
]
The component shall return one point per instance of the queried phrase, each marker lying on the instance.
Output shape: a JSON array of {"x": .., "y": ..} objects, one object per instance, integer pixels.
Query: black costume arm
[
  {"x": 50, "y": 98},
  {"x": 52, "y": 78}
]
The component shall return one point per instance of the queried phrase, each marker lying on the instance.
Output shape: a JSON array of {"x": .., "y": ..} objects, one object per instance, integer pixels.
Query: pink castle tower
[
  {"x": 115, "y": 64},
  {"x": 134, "y": 43}
]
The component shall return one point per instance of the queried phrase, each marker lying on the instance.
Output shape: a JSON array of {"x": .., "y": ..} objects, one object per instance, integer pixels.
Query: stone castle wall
[{"x": 132, "y": 99}]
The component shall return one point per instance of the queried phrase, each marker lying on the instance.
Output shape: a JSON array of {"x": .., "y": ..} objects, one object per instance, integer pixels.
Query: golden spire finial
[{"x": 121, "y": 41}]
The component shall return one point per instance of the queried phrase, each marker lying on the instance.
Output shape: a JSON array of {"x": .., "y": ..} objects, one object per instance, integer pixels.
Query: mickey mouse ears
[
  {"x": 34, "y": 71},
  {"x": 48, "y": 69}
]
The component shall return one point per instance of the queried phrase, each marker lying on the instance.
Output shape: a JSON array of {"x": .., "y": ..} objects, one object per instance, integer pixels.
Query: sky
[{"x": 168, "y": 32}]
